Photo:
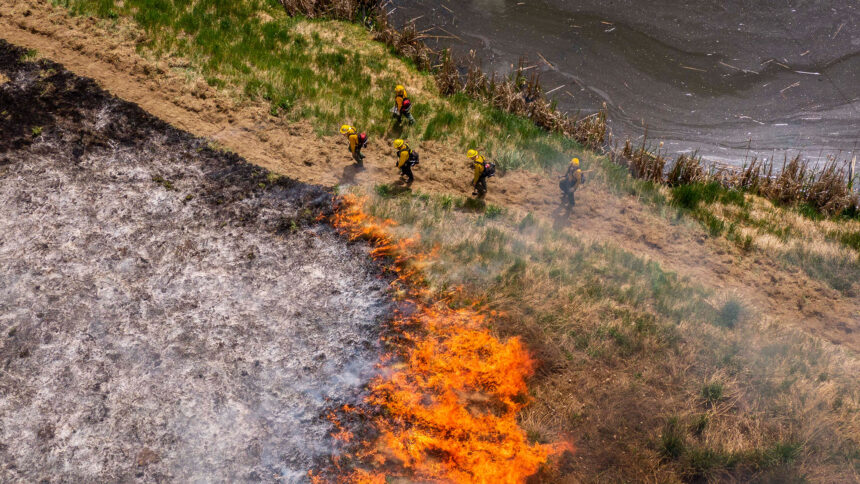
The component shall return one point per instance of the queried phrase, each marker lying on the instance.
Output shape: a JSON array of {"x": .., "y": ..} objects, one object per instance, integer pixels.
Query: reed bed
[{"x": 799, "y": 181}]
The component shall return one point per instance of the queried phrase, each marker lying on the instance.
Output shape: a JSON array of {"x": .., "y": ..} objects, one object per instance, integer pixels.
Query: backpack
[
  {"x": 406, "y": 106},
  {"x": 362, "y": 141},
  {"x": 489, "y": 169},
  {"x": 413, "y": 158}
]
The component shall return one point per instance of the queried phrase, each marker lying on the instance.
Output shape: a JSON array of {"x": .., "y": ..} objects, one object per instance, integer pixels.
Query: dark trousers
[
  {"x": 481, "y": 185},
  {"x": 357, "y": 156},
  {"x": 407, "y": 115},
  {"x": 406, "y": 170}
]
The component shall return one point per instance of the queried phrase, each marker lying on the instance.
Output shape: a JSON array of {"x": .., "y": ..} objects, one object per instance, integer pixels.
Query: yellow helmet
[
  {"x": 399, "y": 89},
  {"x": 398, "y": 143},
  {"x": 347, "y": 129},
  {"x": 472, "y": 154},
  {"x": 574, "y": 162}
]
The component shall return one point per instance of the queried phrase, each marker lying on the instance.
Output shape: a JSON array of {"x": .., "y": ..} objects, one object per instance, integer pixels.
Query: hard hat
[
  {"x": 398, "y": 143},
  {"x": 399, "y": 88},
  {"x": 346, "y": 129},
  {"x": 472, "y": 153},
  {"x": 574, "y": 162}
]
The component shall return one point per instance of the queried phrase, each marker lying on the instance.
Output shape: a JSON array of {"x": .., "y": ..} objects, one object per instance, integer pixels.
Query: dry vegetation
[
  {"x": 824, "y": 188},
  {"x": 649, "y": 375},
  {"x": 803, "y": 217}
]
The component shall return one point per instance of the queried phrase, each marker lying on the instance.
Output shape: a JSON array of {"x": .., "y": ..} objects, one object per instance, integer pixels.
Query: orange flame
[{"x": 445, "y": 408}]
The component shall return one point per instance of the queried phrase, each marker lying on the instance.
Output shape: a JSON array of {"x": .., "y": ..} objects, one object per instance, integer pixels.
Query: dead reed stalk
[{"x": 825, "y": 189}]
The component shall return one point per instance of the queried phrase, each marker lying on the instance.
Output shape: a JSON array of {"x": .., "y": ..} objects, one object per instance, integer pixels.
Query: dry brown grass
[
  {"x": 338, "y": 9},
  {"x": 651, "y": 377},
  {"x": 824, "y": 189}
]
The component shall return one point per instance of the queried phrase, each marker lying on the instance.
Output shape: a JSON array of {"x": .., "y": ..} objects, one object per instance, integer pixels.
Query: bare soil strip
[{"x": 109, "y": 56}]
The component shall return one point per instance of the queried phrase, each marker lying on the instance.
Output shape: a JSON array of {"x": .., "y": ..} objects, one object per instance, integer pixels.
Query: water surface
[{"x": 715, "y": 77}]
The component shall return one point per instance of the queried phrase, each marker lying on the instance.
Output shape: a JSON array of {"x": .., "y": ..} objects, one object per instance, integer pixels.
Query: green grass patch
[
  {"x": 840, "y": 274},
  {"x": 713, "y": 392},
  {"x": 851, "y": 240},
  {"x": 253, "y": 46},
  {"x": 691, "y": 196}
]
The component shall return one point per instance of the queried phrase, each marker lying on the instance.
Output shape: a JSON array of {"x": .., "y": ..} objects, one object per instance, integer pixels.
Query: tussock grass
[{"x": 650, "y": 374}]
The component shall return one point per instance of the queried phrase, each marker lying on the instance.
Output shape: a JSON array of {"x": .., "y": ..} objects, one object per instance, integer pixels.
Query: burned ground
[{"x": 168, "y": 311}]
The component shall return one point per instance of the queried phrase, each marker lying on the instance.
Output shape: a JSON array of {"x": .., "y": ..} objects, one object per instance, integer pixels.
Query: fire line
[{"x": 445, "y": 405}]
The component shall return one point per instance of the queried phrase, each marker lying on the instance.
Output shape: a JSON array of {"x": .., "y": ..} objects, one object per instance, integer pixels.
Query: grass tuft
[
  {"x": 730, "y": 314},
  {"x": 713, "y": 392}
]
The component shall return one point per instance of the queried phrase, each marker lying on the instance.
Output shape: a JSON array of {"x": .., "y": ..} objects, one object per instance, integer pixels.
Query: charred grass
[{"x": 647, "y": 373}]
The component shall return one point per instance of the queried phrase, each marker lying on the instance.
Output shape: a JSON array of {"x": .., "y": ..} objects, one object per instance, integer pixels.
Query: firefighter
[
  {"x": 357, "y": 141},
  {"x": 481, "y": 170},
  {"x": 402, "y": 105},
  {"x": 406, "y": 159},
  {"x": 570, "y": 182}
]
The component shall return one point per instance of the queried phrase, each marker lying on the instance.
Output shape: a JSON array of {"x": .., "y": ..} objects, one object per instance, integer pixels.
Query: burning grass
[
  {"x": 446, "y": 408},
  {"x": 622, "y": 349}
]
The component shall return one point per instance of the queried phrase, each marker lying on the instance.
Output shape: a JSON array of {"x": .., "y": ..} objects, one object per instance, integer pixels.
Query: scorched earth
[{"x": 168, "y": 311}]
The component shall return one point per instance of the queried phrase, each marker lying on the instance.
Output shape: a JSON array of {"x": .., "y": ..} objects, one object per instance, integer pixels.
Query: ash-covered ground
[{"x": 168, "y": 312}]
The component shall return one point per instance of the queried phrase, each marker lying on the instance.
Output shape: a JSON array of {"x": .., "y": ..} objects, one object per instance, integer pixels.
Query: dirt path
[{"x": 294, "y": 149}]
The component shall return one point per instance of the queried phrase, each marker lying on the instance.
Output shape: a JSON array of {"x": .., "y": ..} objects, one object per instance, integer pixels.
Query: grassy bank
[
  {"x": 327, "y": 72},
  {"x": 652, "y": 376},
  {"x": 331, "y": 72},
  {"x": 826, "y": 248}
]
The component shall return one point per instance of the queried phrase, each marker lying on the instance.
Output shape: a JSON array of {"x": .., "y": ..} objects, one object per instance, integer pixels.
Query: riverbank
[{"x": 700, "y": 357}]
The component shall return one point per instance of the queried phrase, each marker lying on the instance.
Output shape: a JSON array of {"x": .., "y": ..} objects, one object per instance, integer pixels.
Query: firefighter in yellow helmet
[
  {"x": 402, "y": 105},
  {"x": 406, "y": 159},
  {"x": 570, "y": 182},
  {"x": 481, "y": 170},
  {"x": 357, "y": 141}
]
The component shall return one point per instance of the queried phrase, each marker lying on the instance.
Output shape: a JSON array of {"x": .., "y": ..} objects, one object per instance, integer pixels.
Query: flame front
[{"x": 445, "y": 406}]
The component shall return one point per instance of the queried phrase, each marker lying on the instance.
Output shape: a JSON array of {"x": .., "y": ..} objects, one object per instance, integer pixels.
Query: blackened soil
[{"x": 168, "y": 312}]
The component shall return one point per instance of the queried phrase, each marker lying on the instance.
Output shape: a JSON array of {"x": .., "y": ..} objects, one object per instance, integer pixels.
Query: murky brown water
[{"x": 712, "y": 76}]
